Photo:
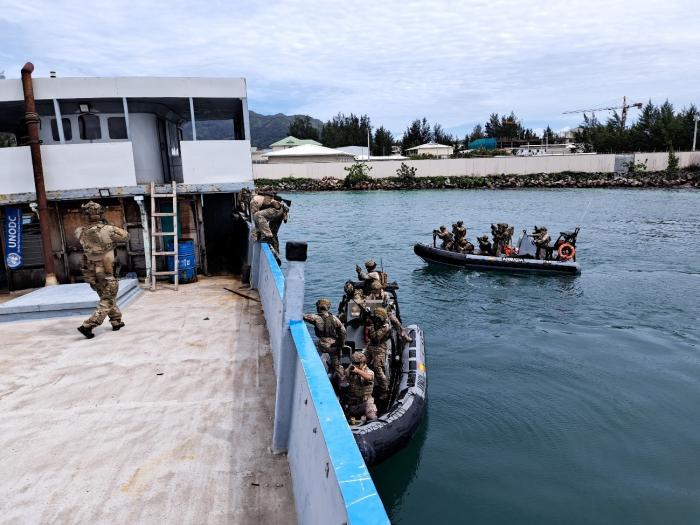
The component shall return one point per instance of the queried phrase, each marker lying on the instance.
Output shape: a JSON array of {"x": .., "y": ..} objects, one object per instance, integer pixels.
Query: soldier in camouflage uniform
[
  {"x": 464, "y": 246},
  {"x": 541, "y": 239},
  {"x": 379, "y": 332},
  {"x": 368, "y": 277},
  {"x": 446, "y": 237},
  {"x": 358, "y": 401},
  {"x": 98, "y": 240},
  {"x": 267, "y": 224},
  {"x": 485, "y": 247},
  {"x": 459, "y": 232},
  {"x": 378, "y": 294},
  {"x": 502, "y": 235},
  {"x": 331, "y": 334}
]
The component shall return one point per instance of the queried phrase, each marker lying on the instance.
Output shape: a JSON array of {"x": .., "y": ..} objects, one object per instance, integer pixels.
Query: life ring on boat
[{"x": 566, "y": 252}]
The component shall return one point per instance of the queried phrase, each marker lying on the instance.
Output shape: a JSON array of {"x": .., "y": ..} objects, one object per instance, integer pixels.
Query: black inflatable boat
[
  {"x": 405, "y": 368},
  {"x": 521, "y": 258}
]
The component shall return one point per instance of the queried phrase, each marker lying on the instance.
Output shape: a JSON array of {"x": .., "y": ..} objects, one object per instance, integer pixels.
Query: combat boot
[
  {"x": 87, "y": 332},
  {"x": 116, "y": 327}
]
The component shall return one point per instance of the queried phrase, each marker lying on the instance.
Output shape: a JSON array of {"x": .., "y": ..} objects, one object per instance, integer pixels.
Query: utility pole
[
  {"x": 367, "y": 143},
  {"x": 31, "y": 119},
  {"x": 695, "y": 132}
]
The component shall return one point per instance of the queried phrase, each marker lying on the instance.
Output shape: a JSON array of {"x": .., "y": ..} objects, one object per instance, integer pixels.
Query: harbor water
[{"x": 551, "y": 399}]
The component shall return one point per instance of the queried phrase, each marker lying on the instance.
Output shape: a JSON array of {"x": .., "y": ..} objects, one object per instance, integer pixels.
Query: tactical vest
[
  {"x": 326, "y": 328},
  {"x": 96, "y": 240},
  {"x": 360, "y": 389}
]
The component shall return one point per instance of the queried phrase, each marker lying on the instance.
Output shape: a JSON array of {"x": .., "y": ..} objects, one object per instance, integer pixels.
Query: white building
[
  {"x": 115, "y": 137},
  {"x": 440, "y": 151},
  {"x": 309, "y": 153},
  {"x": 542, "y": 149}
]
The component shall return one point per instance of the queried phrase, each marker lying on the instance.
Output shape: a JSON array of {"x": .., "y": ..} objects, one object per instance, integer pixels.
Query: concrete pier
[{"x": 167, "y": 421}]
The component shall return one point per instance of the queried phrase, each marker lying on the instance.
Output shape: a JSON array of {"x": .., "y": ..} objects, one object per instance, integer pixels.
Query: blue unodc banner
[{"x": 13, "y": 238}]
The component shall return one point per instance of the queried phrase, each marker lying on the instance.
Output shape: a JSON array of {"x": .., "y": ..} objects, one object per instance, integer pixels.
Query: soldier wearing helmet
[
  {"x": 378, "y": 294},
  {"x": 541, "y": 239},
  {"x": 445, "y": 236},
  {"x": 330, "y": 332},
  {"x": 369, "y": 276},
  {"x": 378, "y": 333},
  {"x": 358, "y": 400},
  {"x": 485, "y": 247},
  {"x": 268, "y": 222},
  {"x": 459, "y": 232},
  {"x": 98, "y": 241}
]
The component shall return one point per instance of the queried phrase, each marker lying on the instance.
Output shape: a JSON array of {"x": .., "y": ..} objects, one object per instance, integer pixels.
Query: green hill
[{"x": 266, "y": 129}]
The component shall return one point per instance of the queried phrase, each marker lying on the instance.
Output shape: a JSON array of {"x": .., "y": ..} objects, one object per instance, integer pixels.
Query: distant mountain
[{"x": 266, "y": 129}]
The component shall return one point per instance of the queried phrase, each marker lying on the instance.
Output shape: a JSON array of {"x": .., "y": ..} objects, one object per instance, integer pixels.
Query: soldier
[
  {"x": 446, "y": 237},
  {"x": 378, "y": 333},
  {"x": 330, "y": 332},
  {"x": 267, "y": 224},
  {"x": 541, "y": 239},
  {"x": 369, "y": 276},
  {"x": 358, "y": 400},
  {"x": 459, "y": 232},
  {"x": 464, "y": 246},
  {"x": 259, "y": 202},
  {"x": 98, "y": 240},
  {"x": 485, "y": 247},
  {"x": 378, "y": 294},
  {"x": 502, "y": 235}
]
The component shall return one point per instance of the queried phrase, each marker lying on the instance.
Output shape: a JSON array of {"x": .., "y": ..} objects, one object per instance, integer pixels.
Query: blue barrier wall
[{"x": 331, "y": 483}]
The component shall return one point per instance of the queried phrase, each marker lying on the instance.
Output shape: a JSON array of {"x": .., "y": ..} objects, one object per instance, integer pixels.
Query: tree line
[{"x": 658, "y": 128}]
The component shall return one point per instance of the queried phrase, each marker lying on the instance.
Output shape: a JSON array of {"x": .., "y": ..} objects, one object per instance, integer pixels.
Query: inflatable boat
[
  {"x": 406, "y": 370},
  {"x": 558, "y": 259}
]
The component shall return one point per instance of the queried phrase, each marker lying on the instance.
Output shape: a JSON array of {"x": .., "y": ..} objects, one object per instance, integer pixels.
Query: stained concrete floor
[{"x": 165, "y": 421}]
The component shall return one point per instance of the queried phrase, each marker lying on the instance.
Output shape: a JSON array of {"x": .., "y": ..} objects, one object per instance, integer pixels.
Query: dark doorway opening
[{"x": 226, "y": 237}]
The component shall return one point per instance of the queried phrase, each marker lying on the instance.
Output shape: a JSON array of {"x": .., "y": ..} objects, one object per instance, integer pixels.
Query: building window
[
  {"x": 89, "y": 127},
  {"x": 117, "y": 128},
  {"x": 67, "y": 130}
]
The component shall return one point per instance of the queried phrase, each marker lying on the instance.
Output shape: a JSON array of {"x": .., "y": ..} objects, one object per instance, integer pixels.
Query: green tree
[
  {"x": 344, "y": 130},
  {"x": 442, "y": 137},
  {"x": 383, "y": 141},
  {"x": 417, "y": 133},
  {"x": 406, "y": 172},
  {"x": 358, "y": 172},
  {"x": 302, "y": 128},
  {"x": 673, "y": 162}
]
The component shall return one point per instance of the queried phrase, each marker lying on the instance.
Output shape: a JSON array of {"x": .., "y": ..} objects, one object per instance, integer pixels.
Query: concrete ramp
[{"x": 63, "y": 300}]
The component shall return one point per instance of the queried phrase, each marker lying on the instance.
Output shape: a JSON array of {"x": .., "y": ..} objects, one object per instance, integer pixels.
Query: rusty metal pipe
[{"x": 31, "y": 118}]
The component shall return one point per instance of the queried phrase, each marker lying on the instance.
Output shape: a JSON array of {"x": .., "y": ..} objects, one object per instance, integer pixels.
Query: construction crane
[{"x": 624, "y": 107}]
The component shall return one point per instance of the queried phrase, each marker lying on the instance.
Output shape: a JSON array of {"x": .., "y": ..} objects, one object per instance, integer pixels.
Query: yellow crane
[{"x": 624, "y": 107}]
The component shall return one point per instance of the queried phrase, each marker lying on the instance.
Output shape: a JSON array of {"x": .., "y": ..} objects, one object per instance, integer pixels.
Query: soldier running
[
  {"x": 378, "y": 333},
  {"x": 98, "y": 240},
  {"x": 359, "y": 401},
  {"x": 331, "y": 334}
]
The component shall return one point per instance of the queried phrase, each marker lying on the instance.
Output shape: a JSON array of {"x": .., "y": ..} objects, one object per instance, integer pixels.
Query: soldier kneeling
[{"x": 359, "y": 401}]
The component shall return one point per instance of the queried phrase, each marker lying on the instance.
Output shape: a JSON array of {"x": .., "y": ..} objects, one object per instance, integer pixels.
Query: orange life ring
[{"x": 566, "y": 252}]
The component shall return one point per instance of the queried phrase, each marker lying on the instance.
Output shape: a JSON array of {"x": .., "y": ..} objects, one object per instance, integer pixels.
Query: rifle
[{"x": 434, "y": 238}]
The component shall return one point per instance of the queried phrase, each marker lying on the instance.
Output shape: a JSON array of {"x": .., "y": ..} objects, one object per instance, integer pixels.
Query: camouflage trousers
[
  {"x": 377, "y": 358},
  {"x": 107, "y": 287},
  {"x": 334, "y": 357},
  {"x": 359, "y": 408}
]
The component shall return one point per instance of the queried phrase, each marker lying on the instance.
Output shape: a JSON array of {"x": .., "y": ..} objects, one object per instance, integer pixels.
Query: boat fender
[{"x": 566, "y": 252}]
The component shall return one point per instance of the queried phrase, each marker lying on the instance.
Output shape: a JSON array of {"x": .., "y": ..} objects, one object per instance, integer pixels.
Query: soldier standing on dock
[
  {"x": 98, "y": 241},
  {"x": 331, "y": 334}
]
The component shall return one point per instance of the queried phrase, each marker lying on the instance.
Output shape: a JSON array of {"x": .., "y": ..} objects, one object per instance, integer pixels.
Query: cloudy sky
[{"x": 451, "y": 62}]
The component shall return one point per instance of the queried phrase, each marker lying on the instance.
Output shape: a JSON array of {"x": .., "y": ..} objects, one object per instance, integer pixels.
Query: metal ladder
[{"x": 155, "y": 233}]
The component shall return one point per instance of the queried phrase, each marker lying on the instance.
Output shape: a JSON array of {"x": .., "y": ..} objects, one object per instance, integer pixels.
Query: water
[{"x": 550, "y": 399}]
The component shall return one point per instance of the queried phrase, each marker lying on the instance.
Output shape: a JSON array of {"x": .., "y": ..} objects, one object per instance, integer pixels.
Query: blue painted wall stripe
[
  {"x": 363, "y": 504},
  {"x": 276, "y": 271}
]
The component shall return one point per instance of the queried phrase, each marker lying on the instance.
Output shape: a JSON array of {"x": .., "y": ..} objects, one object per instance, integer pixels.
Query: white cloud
[{"x": 448, "y": 61}]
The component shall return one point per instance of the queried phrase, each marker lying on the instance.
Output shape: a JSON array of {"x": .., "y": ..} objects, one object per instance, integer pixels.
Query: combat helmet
[
  {"x": 93, "y": 210},
  {"x": 484, "y": 238},
  {"x": 323, "y": 304},
  {"x": 370, "y": 264},
  {"x": 358, "y": 358},
  {"x": 460, "y": 223},
  {"x": 375, "y": 286},
  {"x": 380, "y": 313}
]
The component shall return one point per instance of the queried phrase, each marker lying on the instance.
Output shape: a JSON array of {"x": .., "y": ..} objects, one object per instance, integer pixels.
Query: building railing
[{"x": 331, "y": 482}]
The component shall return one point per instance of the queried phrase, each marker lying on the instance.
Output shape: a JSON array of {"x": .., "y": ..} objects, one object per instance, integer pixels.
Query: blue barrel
[{"x": 187, "y": 261}]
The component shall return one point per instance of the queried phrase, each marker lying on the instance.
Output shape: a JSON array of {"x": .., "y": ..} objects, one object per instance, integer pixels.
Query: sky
[{"x": 450, "y": 62}]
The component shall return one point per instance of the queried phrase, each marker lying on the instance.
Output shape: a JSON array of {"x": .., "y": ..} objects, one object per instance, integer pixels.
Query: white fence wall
[
  {"x": 474, "y": 166},
  {"x": 216, "y": 161}
]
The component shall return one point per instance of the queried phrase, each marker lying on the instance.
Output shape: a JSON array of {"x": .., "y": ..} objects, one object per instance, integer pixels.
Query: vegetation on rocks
[{"x": 662, "y": 179}]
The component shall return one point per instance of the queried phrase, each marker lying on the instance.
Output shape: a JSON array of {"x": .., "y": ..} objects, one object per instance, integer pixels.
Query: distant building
[
  {"x": 259, "y": 155},
  {"x": 484, "y": 143},
  {"x": 431, "y": 148},
  {"x": 292, "y": 142},
  {"x": 541, "y": 149},
  {"x": 360, "y": 153},
  {"x": 308, "y": 153}
]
